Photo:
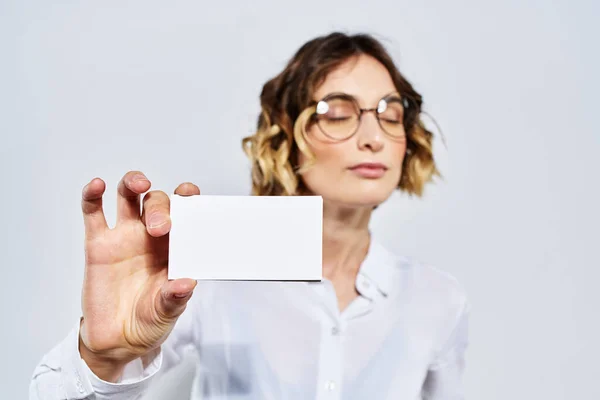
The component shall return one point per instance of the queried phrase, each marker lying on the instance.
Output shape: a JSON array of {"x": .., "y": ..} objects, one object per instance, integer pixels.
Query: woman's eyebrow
[
  {"x": 392, "y": 94},
  {"x": 338, "y": 93},
  {"x": 359, "y": 99}
]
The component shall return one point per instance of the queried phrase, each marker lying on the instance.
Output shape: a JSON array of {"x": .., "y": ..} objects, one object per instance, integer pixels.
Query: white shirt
[{"x": 404, "y": 337}]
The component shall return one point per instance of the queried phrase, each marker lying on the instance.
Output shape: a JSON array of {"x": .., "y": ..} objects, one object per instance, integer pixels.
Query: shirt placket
[
  {"x": 333, "y": 329},
  {"x": 330, "y": 376}
]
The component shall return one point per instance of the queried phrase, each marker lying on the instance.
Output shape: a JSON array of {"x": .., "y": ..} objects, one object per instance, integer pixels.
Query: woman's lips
[{"x": 369, "y": 170}]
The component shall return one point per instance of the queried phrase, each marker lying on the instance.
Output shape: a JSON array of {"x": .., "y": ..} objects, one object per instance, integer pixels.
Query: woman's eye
[
  {"x": 393, "y": 116},
  {"x": 340, "y": 118}
]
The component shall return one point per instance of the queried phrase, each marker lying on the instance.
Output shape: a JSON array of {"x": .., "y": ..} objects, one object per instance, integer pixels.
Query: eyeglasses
[{"x": 338, "y": 115}]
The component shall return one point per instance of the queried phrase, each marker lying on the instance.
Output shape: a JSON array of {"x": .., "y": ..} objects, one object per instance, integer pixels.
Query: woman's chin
[
  {"x": 359, "y": 199},
  {"x": 361, "y": 194}
]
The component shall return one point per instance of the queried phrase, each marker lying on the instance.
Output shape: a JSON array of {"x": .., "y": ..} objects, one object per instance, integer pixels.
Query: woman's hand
[{"x": 129, "y": 305}]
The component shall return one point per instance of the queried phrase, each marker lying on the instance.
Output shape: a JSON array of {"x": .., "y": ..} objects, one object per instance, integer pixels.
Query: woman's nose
[{"x": 370, "y": 135}]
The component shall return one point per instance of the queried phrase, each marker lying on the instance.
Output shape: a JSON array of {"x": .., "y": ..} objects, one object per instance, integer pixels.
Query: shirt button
[
  {"x": 330, "y": 385},
  {"x": 78, "y": 382},
  {"x": 335, "y": 331}
]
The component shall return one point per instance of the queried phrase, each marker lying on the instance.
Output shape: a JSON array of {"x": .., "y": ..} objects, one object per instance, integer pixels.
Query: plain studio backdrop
[{"x": 98, "y": 88}]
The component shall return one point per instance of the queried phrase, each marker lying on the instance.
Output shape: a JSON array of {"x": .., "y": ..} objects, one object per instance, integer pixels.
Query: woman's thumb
[{"x": 174, "y": 296}]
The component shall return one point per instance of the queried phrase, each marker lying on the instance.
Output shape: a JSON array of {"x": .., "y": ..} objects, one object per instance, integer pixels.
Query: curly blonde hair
[{"x": 286, "y": 110}]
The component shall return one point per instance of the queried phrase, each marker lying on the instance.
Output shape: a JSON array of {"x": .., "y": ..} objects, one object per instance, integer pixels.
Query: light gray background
[{"x": 97, "y": 88}]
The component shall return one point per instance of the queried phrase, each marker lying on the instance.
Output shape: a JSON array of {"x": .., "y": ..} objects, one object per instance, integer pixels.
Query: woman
[{"x": 341, "y": 122}]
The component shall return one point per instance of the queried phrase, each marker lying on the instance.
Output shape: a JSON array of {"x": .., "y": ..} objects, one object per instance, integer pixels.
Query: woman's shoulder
[{"x": 429, "y": 283}]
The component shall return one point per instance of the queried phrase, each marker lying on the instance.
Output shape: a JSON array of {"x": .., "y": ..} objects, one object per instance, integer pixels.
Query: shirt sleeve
[
  {"x": 445, "y": 374},
  {"x": 63, "y": 375}
]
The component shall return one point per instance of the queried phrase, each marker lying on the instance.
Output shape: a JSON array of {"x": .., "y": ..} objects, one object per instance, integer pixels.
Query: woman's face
[{"x": 364, "y": 170}]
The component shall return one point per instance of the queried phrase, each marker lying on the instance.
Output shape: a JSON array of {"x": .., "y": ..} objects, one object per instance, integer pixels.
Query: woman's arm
[
  {"x": 63, "y": 375},
  {"x": 444, "y": 378}
]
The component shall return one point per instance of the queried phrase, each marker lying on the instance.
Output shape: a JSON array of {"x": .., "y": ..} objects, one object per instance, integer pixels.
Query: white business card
[{"x": 277, "y": 238}]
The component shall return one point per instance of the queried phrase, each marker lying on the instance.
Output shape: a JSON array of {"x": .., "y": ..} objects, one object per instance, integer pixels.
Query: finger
[
  {"x": 174, "y": 296},
  {"x": 130, "y": 187},
  {"x": 187, "y": 189},
  {"x": 91, "y": 205},
  {"x": 155, "y": 214}
]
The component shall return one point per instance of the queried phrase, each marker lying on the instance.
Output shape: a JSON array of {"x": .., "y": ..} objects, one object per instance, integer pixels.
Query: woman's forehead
[{"x": 362, "y": 77}]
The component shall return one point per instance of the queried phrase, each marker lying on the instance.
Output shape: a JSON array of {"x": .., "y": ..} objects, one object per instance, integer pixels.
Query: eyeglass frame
[{"x": 406, "y": 102}]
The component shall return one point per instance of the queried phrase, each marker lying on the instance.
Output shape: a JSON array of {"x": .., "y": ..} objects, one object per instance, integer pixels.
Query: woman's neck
[{"x": 345, "y": 241}]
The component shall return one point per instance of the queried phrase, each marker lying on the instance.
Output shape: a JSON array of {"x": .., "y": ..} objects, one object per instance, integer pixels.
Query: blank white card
[{"x": 246, "y": 238}]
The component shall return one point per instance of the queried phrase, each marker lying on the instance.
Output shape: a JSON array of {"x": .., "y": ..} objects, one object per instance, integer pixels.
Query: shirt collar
[{"x": 378, "y": 271}]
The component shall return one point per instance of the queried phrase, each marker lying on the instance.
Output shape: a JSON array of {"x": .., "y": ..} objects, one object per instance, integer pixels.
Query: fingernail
[
  {"x": 155, "y": 221},
  {"x": 139, "y": 178}
]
